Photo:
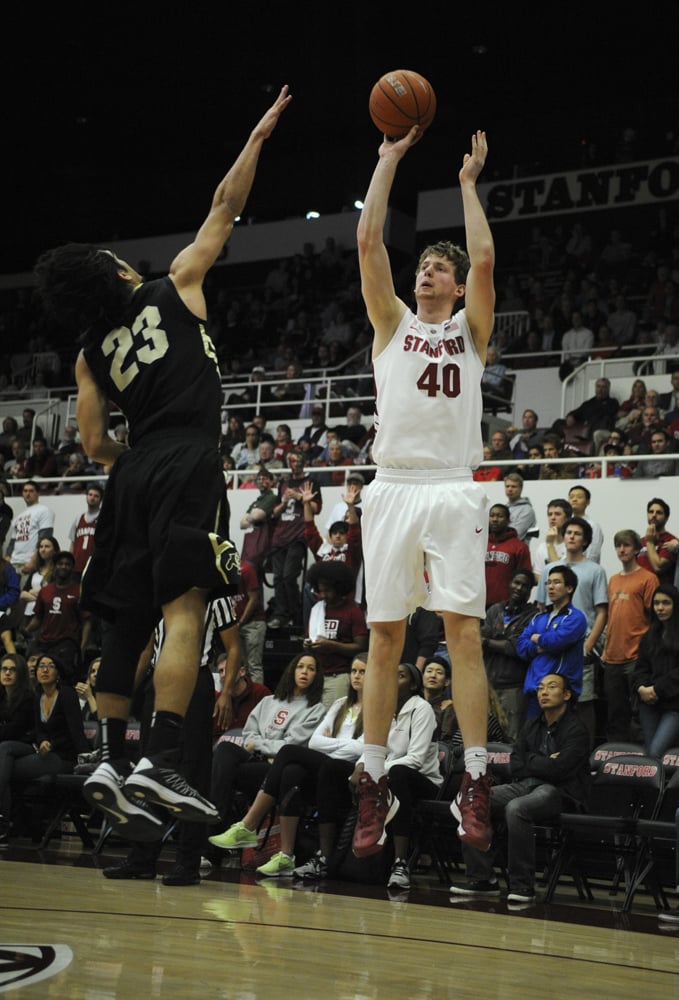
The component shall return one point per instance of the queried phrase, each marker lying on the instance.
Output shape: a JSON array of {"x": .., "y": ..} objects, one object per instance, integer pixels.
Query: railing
[{"x": 237, "y": 476}]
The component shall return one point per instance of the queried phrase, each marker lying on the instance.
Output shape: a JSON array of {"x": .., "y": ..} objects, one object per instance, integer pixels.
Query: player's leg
[
  {"x": 470, "y": 697},
  {"x": 155, "y": 780},
  {"x": 376, "y": 804}
]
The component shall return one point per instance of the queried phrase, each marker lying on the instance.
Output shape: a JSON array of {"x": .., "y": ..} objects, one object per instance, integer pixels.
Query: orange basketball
[{"x": 401, "y": 99}]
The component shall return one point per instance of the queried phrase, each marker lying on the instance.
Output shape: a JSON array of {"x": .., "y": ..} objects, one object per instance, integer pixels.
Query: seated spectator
[
  {"x": 245, "y": 694},
  {"x": 496, "y": 730},
  {"x": 316, "y": 774},
  {"x": 245, "y": 453},
  {"x": 58, "y": 737},
  {"x": 338, "y": 460},
  {"x": 494, "y": 381},
  {"x": 488, "y": 473},
  {"x": 289, "y": 394},
  {"x": 289, "y": 715},
  {"x": 353, "y": 429},
  {"x": 436, "y": 680},
  {"x": 16, "y": 702},
  {"x": 42, "y": 464},
  {"x": 315, "y": 433},
  {"x": 605, "y": 345},
  {"x": 595, "y": 418},
  {"x": 639, "y": 434},
  {"x": 500, "y": 450},
  {"x": 553, "y": 447},
  {"x": 75, "y": 476},
  {"x": 9, "y": 432},
  {"x": 66, "y": 446},
  {"x": 16, "y": 467},
  {"x": 283, "y": 443},
  {"x": 523, "y": 437},
  {"x": 661, "y": 446},
  {"x": 267, "y": 460},
  {"x": 235, "y": 433},
  {"x": 550, "y": 774},
  {"x": 634, "y": 402}
]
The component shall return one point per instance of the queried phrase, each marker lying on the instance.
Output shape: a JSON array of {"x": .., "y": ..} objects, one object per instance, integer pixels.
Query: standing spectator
[
  {"x": 622, "y": 322},
  {"x": 521, "y": 513},
  {"x": 630, "y": 597},
  {"x": 288, "y": 547},
  {"x": 591, "y": 597},
  {"x": 337, "y": 628},
  {"x": 6, "y": 513},
  {"x": 506, "y": 670},
  {"x": 81, "y": 534},
  {"x": 257, "y": 522},
  {"x": 656, "y": 674},
  {"x": 553, "y": 548},
  {"x": 505, "y": 553},
  {"x": 576, "y": 345},
  {"x": 36, "y": 522},
  {"x": 249, "y": 608},
  {"x": 656, "y": 555},
  {"x": 58, "y": 620},
  {"x": 579, "y": 497},
  {"x": 552, "y": 641}
]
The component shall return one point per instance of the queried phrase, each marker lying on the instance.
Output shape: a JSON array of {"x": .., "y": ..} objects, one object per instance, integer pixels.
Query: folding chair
[
  {"x": 657, "y": 839},
  {"x": 435, "y": 828},
  {"x": 601, "y": 845},
  {"x": 605, "y": 751}
]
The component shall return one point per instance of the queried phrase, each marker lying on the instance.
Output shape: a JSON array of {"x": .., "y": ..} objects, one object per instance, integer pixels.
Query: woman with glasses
[{"x": 58, "y": 738}]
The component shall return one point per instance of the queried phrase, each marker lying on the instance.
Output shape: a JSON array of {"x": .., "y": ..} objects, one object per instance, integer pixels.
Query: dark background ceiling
[{"x": 121, "y": 120}]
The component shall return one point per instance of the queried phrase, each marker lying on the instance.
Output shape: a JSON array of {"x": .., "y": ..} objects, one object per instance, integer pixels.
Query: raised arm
[
  {"x": 193, "y": 262},
  {"x": 383, "y": 306},
  {"x": 479, "y": 297}
]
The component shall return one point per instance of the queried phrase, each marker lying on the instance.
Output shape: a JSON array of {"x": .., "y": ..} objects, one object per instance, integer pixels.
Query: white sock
[
  {"x": 373, "y": 760},
  {"x": 476, "y": 761}
]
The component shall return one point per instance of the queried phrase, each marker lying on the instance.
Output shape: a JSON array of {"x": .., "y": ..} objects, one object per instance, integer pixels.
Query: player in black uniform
[{"x": 161, "y": 544}]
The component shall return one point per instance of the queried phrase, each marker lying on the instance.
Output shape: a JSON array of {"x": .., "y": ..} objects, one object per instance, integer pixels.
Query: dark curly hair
[{"x": 79, "y": 288}]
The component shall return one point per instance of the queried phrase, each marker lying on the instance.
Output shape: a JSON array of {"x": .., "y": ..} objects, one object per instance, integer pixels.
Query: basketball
[{"x": 401, "y": 99}]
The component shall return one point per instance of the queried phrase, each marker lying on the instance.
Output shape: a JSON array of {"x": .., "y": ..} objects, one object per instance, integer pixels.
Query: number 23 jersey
[
  {"x": 428, "y": 405},
  {"x": 161, "y": 367}
]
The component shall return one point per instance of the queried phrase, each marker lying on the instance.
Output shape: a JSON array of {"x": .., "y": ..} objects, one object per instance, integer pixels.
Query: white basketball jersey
[{"x": 428, "y": 404}]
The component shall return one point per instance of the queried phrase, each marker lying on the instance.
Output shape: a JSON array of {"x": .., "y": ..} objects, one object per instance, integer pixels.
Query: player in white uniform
[{"x": 427, "y": 371}]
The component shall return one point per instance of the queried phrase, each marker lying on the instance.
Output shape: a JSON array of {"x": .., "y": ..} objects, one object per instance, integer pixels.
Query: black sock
[
  {"x": 165, "y": 733},
  {"x": 113, "y": 738}
]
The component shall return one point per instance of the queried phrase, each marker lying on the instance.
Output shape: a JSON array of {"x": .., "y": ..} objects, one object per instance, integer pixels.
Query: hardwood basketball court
[{"x": 238, "y": 938}]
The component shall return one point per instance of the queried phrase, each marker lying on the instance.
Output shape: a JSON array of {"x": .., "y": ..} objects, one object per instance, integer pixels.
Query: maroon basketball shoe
[
  {"x": 376, "y": 806},
  {"x": 471, "y": 809}
]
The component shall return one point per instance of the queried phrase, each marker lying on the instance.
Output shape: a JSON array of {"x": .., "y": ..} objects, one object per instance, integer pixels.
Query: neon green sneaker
[
  {"x": 236, "y": 836},
  {"x": 280, "y": 864}
]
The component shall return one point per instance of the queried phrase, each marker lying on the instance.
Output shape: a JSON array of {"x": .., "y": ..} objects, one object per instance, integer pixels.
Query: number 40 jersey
[{"x": 428, "y": 405}]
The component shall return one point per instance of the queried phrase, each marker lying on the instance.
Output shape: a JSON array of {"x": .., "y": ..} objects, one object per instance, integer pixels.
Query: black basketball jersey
[{"x": 160, "y": 368}]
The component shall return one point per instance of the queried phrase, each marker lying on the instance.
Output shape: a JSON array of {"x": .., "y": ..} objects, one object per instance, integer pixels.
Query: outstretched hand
[
  {"x": 473, "y": 162},
  {"x": 269, "y": 120},
  {"x": 399, "y": 147}
]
